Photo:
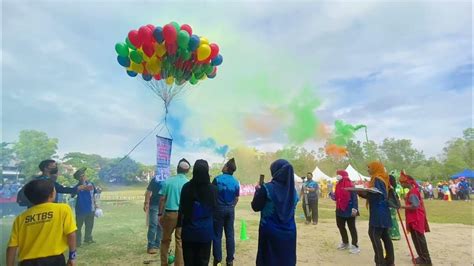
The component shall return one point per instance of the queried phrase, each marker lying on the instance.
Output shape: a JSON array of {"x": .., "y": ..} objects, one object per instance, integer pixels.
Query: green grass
[{"x": 121, "y": 232}]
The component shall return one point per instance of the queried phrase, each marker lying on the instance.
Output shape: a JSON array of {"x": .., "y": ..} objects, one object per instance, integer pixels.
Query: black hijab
[{"x": 198, "y": 189}]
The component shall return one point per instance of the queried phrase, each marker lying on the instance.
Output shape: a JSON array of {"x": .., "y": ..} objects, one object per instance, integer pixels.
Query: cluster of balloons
[{"x": 171, "y": 53}]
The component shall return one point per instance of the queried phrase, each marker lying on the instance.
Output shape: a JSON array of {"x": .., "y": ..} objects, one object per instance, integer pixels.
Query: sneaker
[
  {"x": 306, "y": 222},
  {"x": 354, "y": 250},
  {"x": 152, "y": 251},
  {"x": 89, "y": 242},
  {"x": 343, "y": 246},
  {"x": 315, "y": 223}
]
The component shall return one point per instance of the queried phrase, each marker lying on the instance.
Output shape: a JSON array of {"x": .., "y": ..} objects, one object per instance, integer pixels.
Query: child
[
  {"x": 85, "y": 207},
  {"x": 43, "y": 232},
  {"x": 416, "y": 221}
]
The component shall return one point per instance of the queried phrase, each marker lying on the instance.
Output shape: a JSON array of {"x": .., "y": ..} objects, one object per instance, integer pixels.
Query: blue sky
[{"x": 402, "y": 68}]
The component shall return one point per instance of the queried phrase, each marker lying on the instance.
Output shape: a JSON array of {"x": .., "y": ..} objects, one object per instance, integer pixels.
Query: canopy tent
[
  {"x": 319, "y": 175},
  {"x": 354, "y": 175},
  {"x": 298, "y": 179},
  {"x": 467, "y": 173}
]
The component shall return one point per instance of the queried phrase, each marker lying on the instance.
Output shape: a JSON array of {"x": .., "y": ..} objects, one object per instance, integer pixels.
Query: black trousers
[
  {"x": 421, "y": 246},
  {"x": 341, "y": 224},
  {"x": 312, "y": 206},
  {"x": 377, "y": 236},
  {"x": 57, "y": 260},
  {"x": 196, "y": 254},
  {"x": 88, "y": 220}
]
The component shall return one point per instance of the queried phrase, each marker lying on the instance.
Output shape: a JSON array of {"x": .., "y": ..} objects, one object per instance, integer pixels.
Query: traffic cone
[{"x": 243, "y": 230}]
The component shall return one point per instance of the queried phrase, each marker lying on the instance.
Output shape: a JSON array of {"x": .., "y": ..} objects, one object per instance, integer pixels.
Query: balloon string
[{"x": 143, "y": 139}]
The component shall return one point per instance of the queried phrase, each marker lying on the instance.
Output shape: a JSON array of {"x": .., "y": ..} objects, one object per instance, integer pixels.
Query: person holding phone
[{"x": 276, "y": 201}]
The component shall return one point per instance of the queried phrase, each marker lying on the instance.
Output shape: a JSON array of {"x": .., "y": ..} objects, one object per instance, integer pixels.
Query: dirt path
[{"x": 449, "y": 244}]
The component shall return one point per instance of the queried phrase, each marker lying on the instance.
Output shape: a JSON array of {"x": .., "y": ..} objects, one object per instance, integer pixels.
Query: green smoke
[
  {"x": 304, "y": 123},
  {"x": 344, "y": 132}
]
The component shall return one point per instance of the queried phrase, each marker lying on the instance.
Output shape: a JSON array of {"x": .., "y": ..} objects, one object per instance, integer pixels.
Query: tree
[
  {"x": 303, "y": 161},
  {"x": 93, "y": 162},
  {"x": 6, "y": 153},
  {"x": 399, "y": 154},
  {"x": 117, "y": 171},
  {"x": 32, "y": 148},
  {"x": 458, "y": 154}
]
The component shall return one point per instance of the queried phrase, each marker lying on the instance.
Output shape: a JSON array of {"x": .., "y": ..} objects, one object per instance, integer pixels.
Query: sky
[{"x": 403, "y": 68}]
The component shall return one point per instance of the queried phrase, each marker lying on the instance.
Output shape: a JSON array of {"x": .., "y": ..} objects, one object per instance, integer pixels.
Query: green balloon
[
  {"x": 136, "y": 57},
  {"x": 183, "y": 39},
  {"x": 175, "y": 25},
  {"x": 130, "y": 45},
  {"x": 200, "y": 75},
  {"x": 121, "y": 49},
  {"x": 193, "y": 80},
  {"x": 208, "y": 69},
  {"x": 187, "y": 55}
]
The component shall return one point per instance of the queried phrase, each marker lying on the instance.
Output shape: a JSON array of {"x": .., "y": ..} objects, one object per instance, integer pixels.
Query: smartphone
[{"x": 262, "y": 178}]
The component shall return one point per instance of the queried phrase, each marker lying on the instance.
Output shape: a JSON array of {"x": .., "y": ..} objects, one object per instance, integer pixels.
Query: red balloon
[
  {"x": 145, "y": 34},
  {"x": 214, "y": 50},
  {"x": 214, "y": 71},
  {"x": 187, "y": 28},
  {"x": 171, "y": 48},
  {"x": 169, "y": 33},
  {"x": 133, "y": 37},
  {"x": 151, "y": 27},
  {"x": 148, "y": 49},
  {"x": 157, "y": 76}
]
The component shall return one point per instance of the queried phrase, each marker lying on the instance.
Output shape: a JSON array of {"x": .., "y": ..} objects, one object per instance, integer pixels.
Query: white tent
[
  {"x": 318, "y": 175},
  {"x": 298, "y": 182},
  {"x": 298, "y": 179},
  {"x": 354, "y": 175}
]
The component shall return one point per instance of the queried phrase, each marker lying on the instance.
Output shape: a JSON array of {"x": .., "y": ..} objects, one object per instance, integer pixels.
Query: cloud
[{"x": 402, "y": 68}]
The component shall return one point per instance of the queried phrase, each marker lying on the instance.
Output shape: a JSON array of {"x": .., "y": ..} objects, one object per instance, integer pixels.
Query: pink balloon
[
  {"x": 214, "y": 50},
  {"x": 187, "y": 28},
  {"x": 134, "y": 39},
  {"x": 169, "y": 33}
]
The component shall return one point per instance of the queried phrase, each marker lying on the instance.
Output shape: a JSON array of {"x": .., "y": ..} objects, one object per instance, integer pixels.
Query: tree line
[{"x": 457, "y": 154}]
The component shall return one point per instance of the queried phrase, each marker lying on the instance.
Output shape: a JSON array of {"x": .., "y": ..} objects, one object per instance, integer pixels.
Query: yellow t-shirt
[{"x": 41, "y": 231}]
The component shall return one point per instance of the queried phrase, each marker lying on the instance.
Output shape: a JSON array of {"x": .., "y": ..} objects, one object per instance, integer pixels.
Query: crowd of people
[{"x": 199, "y": 213}]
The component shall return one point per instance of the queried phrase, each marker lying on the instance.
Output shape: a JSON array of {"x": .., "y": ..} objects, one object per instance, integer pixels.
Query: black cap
[{"x": 79, "y": 173}]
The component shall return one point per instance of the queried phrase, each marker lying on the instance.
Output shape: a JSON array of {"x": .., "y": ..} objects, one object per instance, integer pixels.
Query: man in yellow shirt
[{"x": 42, "y": 233}]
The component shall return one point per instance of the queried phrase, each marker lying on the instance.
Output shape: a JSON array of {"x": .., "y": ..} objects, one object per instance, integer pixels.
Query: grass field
[{"x": 121, "y": 232}]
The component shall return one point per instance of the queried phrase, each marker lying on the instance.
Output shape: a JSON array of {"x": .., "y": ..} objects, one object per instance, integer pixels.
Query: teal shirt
[{"x": 172, "y": 191}]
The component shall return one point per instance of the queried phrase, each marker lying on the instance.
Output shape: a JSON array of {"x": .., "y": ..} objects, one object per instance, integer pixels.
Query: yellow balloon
[
  {"x": 160, "y": 49},
  {"x": 203, "y": 40},
  {"x": 136, "y": 67},
  {"x": 169, "y": 80},
  {"x": 203, "y": 52},
  {"x": 146, "y": 58},
  {"x": 151, "y": 66}
]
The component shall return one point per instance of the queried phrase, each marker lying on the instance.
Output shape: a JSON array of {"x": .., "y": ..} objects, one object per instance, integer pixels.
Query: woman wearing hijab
[
  {"x": 197, "y": 204},
  {"x": 276, "y": 202},
  {"x": 379, "y": 214},
  {"x": 346, "y": 211}
]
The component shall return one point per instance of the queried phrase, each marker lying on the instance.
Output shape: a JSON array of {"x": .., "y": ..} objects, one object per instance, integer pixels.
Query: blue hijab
[{"x": 283, "y": 183}]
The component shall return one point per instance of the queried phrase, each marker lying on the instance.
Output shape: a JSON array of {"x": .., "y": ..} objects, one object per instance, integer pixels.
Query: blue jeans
[
  {"x": 224, "y": 220},
  {"x": 154, "y": 228}
]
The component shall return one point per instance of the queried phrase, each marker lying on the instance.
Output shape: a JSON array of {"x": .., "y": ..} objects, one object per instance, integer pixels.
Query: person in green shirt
[{"x": 168, "y": 212}]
